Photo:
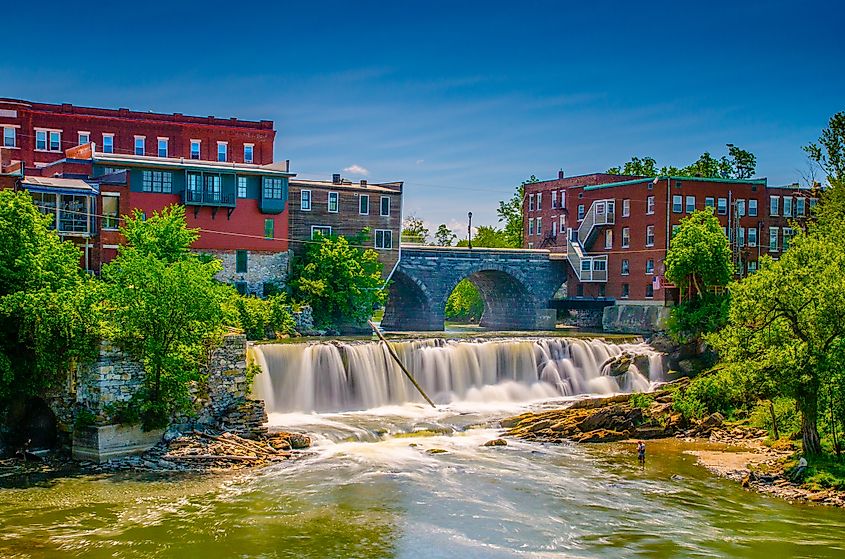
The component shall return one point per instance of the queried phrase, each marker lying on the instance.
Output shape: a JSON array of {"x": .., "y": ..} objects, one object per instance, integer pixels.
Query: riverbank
[{"x": 737, "y": 452}]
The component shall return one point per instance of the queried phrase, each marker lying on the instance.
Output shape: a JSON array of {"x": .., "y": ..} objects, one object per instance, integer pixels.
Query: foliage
[
  {"x": 48, "y": 306},
  {"x": 84, "y": 418},
  {"x": 641, "y": 400},
  {"x": 414, "y": 231},
  {"x": 465, "y": 303},
  {"x": 165, "y": 308},
  {"x": 263, "y": 318},
  {"x": 699, "y": 255},
  {"x": 716, "y": 391},
  {"x": 487, "y": 236},
  {"x": 689, "y": 320},
  {"x": 444, "y": 236},
  {"x": 829, "y": 153},
  {"x": 737, "y": 164},
  {"x": 342, "y": 283},
  {"x": 510, "y": 212},
  {"x": 789, "y": 421}
]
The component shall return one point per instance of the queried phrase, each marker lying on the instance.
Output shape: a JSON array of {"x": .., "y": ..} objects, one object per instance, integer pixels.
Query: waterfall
[{"x": 339, "y": 376}]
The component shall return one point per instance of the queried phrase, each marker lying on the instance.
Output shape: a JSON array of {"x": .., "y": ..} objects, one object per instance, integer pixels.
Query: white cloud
[
  {"x": 356, "y": 170},
  {"x": 420, "y": 161}
]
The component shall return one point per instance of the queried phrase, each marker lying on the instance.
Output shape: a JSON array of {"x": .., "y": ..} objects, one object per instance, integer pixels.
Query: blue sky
[{"x": 462, "y": 100}]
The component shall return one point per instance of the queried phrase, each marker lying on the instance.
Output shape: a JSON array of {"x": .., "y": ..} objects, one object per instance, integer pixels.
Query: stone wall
[
  {"x": 262, "y": 268},
  {"x": 588, "y": 319},
  {"x": 113, "y": 378},
  {"x": 634, "y": 319}
]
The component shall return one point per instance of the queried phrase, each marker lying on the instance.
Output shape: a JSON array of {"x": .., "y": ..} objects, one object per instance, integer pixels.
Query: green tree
[
  {"x": 487, "y": 236},
  {"x": 829, "y": 152},
  {"x": 646, "y": 167},
  {"x": 414, "y": 231},
  {"x": 737, "y": 164},
  {"x": 164, "y": 306},
  {"x": 786, "y": 326},
  {"x": 47, "y": 304},
  {"x": 464, "y": 303},
  {"x": 740, "y": 163},
  {"x": 341, "y": 283},
  {"x": 444, "y": 236},
  {"x": 510, "y": 213}
]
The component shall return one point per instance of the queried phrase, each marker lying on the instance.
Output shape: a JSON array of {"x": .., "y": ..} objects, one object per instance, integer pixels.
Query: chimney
[
  {"x": 560, "y": 175},
  {"x": 363, "y": 182},
  {"x": 336, "y": 178}
]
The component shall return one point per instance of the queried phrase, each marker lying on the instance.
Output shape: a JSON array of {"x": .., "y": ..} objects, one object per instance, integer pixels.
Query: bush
[
  {"x": 789, "y": 421},
  {"x": 263, "y": 318},
  {"x": 706, "y": 394},
  {"x": 641, "y": 400},
  {"x": 690, "y": 319}
]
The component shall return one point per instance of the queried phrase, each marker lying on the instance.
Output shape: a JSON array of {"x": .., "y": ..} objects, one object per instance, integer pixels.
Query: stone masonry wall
[
  {"x": 113, "y": 378},
  {"x": 262, "y": 267}
]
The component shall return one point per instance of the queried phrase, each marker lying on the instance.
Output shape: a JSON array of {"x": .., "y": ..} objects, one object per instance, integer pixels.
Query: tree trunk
[{"x": 808, "y": 403}]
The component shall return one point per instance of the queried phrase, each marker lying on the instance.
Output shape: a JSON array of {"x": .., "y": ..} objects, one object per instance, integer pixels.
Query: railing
[
  {"x": 207, "y": 198},
  {"x": 601, "y": 212},
  {"x": 587, "y": 268}
]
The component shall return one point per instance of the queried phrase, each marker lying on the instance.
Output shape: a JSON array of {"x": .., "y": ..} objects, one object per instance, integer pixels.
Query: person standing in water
[{"x": 641, "y": 453}]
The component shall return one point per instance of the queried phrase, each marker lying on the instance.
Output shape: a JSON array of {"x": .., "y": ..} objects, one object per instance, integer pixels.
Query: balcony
[
  {"x": 592, "y": 269},
  {"x": 208, "y": 198},
  {"x": 600, "y": 214}
]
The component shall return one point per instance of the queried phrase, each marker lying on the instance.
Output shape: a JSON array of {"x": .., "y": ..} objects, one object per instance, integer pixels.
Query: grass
[{"x": 825, "y": 472}]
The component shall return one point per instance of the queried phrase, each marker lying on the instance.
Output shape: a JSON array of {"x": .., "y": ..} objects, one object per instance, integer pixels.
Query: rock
[
  {"x": 713, "y": 421},
  {"x": 496, "y": 442},
  {"x": 601, "y": 436},
  {"x": 436, "y": 451}
]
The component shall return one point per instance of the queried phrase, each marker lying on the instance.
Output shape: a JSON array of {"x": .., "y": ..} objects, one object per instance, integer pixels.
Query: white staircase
[{"x": 590, "y": 268}]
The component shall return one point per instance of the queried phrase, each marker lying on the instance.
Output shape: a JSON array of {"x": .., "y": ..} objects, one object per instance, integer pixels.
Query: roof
[
  {"x": 672, "y": 177},
  {"x": 59, "y": 186},
  {"x": 120, "y": 159},
  {"x": 391, "y": 187}
]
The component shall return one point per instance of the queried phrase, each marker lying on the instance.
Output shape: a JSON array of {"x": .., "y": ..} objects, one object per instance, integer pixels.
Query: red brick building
[{"x": 615, "y": 230}]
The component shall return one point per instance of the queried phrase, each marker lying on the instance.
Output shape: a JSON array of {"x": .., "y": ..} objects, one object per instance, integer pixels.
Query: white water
[{"x": 330, "y": 377}]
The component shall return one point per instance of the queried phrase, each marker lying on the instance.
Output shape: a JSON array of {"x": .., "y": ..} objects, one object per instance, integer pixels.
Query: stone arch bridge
[{"x": 516, "y": 285}]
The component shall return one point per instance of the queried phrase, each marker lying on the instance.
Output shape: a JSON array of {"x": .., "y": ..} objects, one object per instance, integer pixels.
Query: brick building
[
  {"x": 615, "y": 230},
  {"x": 343, "y": 207}
]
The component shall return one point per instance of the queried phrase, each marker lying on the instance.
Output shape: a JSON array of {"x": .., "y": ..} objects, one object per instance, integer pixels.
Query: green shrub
[
  {"x": 262, "y": 318},
  {"x": 689, "y": 320},
  {"x": 708, "y": 393},
  {"x": 789, "y": 421},
  {"x": 641, "y": 400},
  {"x": 84, "y": 418}
]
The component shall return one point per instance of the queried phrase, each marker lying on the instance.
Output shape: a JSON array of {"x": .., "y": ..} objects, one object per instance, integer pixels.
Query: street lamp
[{"x": 469, "y": 231}]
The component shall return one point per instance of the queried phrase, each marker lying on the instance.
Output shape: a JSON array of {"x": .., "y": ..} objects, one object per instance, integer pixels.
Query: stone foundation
[
  {"x": 587, "y": 319},
  {"x": 634, "y": 319},
  {"x": 99, "y": 444},
  {"x": 262, "y": 268}
]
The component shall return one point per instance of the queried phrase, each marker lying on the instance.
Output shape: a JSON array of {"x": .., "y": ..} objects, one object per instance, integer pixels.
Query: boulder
[{"x": 496, "y": 442}]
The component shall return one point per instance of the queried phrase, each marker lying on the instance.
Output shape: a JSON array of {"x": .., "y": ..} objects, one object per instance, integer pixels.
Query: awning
[{"x": 67, "y": 187}]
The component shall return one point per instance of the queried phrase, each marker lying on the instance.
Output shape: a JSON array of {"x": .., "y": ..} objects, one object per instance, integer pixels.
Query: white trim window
[
  {"x": 580, "y": 212},
  {"x": 195, "y": 148},
  {"x": 321, "y": 230},
  {"x": 10, "y": 137},
  {"x": 530, "y": 226},
  {"x": 690, "y": 205},
  {"x": 385, "y": 206},
  {"x": 242, "y": 187},
  {"x": 649, "y": 266},
  {"x": 649, "y": 205},
  {"x": 626, "y": 237},
  {"x": 773, "y": 239},
  {"x": 787, "y": 206},
  {"x": 709, "y": 202},
  {"x": 530, "y": 202},
  {"x": 608, "y": 239},
  {"x": 111, "y": 211},
  {"x": 55, "y": 140},
  {"x": 722, "y": 206},
  {"x": 539, "y": 226},
  {"x": 626, "y": 207},
  {"x": 649, "y": 236},
  {"x": 752, "y": 207},
  {"x": 140, "y": 145},
  {"x": 364, "y": 204},
  {"x": 333, "y": 202},
  {"x": 774, "y": 205},
  {"x": 677, "y": 204},
  {"x": 222, "y": 151},
  {"x": 163, "y": 147},
  {"x": 554, "y": 199},
  {"x": 539, "y": 201},
  {"x": 83, "y": 137},
  {"x": 40, "y": 140},
  {"x": 383, "y": 239},
  {"x": 625, "y": 267},
  {"x": 752, "y": 237},
  {"x": 108, "y": 143},
  {"x": 740, "y": 207},
  {"x": 305, "y": 200},
  {"x": 249, "y": 153},
  {"x": 800, "y": 207}
]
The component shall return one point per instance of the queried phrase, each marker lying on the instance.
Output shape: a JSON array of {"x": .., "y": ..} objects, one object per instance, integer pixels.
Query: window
[
  {"x": 626, "y": 207},
  {"x": 385, "y": 206},
  {"x": 384, "y": 239},
  {"x": 139, "y": 145},
  {"x": 55, "y": 141},
  {"x": 162, "y": 147},
  {"x": 625, "y": 267},
  {"x": 274, "y": 189},
  {"x": 539, "y": 226},
  {"x": 740, "y": 208},
  {"x": 677, "y": 203},
  {"x": 774, "y": 203},
  {"x": 248, "y": 153},
  {"x": 649, "y": 266},
  {"x": 530, "y": 226},
  {"x": 84, "y": 138},
  {"x": 722, "y": 206},
  {"x": 241, "y": 187},
  {"x": 709, "y": 202},
  {"x": 195, "y": 149},
  {"x": 649, "y": 205},
  {"x": 364, "y": 204},
  {"x": 111, "y": 211},
  {"x": 213, "y": 190},
  {"x": 787, "y": 206},
  {"x": 800, "y": 207},
  {"x": 333, "y": 202},
  {"x": 241, "y": 261},
  {"x": 159, "y": 181},
  {"x": 626, "y": 291},
  {"x": 320, "y": 230},
  {"x": 194, "y": 186},
  {"x": 608, "y": 239},
  {"x": 269, "y": 228},
  {"x": 773, "y": 239},
  {"x": 599, "y": 265},
  {"x": 305, "y": 200},
  {"x": 690, "y": 204},
  {"x": 813, "y": 202},
  {"x": 222, "y": 151},
  {"x": 740, "y": 236},
  {"x": 649, "y": 236},
  {"x": 752, "y": 266},
  {"x": 602, "y": 290},
  {"x": 539, "y": 201},
  {"x": 9, "y": 137},
  {"x": 562, "y": 223},
  {"x": 41, "y": 140},
  {"x": 580, "y": 212},
  {"x": 649, "y": 291},
  {"x": 752, "y": 208},
  {"x": 580, "y": 291},
  {"x": 562, "y": 198},
  {"x": 626, "y": 237},
  {"x": 530, "y": 202},
  {"x": 554, "y": 227},
  {"x": 787, "y": 236},
  {"x": 554, "y": 199},
  {"x": 752, "y": 236}
]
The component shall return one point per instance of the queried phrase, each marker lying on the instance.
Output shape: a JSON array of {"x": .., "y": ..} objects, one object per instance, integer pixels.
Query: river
[{"x": 404, "y": 480}]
